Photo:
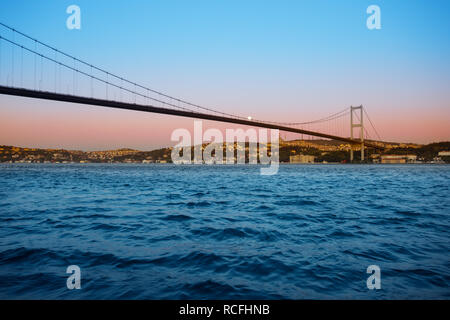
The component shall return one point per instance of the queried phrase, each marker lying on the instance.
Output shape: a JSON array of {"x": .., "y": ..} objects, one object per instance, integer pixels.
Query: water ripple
[{"x": 198, "y": 232}]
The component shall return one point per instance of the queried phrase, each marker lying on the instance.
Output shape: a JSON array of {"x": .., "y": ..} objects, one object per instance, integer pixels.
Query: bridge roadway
[{"x": 148, "y": 108}]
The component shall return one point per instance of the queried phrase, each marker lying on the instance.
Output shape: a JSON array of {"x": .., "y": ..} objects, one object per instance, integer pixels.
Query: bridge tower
[{"x": 353, "y": 125}]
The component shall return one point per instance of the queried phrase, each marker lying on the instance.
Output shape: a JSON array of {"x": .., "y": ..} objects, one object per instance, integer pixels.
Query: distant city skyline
[{"x": 274, "y": 60}]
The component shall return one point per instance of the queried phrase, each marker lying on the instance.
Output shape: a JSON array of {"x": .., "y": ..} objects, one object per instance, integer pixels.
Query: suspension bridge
[{"x": 31, "y": 68}]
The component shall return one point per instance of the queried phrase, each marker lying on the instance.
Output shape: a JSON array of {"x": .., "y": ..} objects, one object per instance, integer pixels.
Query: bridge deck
[{"x": 149, "y": 108}]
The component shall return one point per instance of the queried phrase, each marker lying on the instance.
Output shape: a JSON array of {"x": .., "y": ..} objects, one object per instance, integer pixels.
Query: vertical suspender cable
[
  {"x": 73, "y": 82},
  {"x": 41, "y": 84},
  {"x": 35, "y": 57},
  {"x": 121, "y": 89},
  {"x": 21, "y": 67},
  {"x": 0, "y": 59},
  {"x": 56, "y": 66},
  {"x": 92, "y": 84},
  {"x": 12, "y": 62}
]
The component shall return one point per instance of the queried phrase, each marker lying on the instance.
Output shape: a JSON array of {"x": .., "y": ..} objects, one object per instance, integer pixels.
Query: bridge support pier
[
  {"x": 362, "y": 151},
  {"x": 357, "y": 125}
]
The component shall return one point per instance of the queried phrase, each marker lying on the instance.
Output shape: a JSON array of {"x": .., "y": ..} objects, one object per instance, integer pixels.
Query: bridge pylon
[{"x": 360, "y": 125}]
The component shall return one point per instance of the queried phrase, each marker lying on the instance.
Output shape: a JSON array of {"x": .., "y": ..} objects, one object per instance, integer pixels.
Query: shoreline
[{"x": 218, "y": 164}]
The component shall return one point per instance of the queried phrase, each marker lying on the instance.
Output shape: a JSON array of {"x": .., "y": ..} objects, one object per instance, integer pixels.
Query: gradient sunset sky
[{"x": 275, "y": 60}]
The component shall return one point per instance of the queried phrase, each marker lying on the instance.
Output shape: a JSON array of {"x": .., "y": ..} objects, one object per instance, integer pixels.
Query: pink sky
[{"x": 46, "y": 124}]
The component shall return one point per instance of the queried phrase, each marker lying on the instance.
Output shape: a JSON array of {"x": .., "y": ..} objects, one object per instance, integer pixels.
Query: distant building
[
  {"x": 411, "y": 158},
  {"x": 301, "y": 158},
  {"x": 444, "y": 154},
  {"x": 394, "y": 158},
  {"x": 375, "y": 157},
  {"x": 181, "y": 161}
]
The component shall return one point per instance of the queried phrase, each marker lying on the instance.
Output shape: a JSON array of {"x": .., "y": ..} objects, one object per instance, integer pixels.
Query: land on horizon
[{"x": 321, "y": 151}]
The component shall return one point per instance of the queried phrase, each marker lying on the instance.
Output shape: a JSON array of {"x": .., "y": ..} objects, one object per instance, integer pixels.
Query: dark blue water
[{"x": 198, "y": 232}]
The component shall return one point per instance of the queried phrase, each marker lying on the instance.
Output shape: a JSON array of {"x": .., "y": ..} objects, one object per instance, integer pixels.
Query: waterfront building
[
  {"x": 301, "y": 158},
  {"x": 395, "y": 158}
]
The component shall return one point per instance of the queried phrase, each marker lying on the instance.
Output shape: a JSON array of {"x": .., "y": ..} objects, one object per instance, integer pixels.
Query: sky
[{"x": 276, "y": 60}]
